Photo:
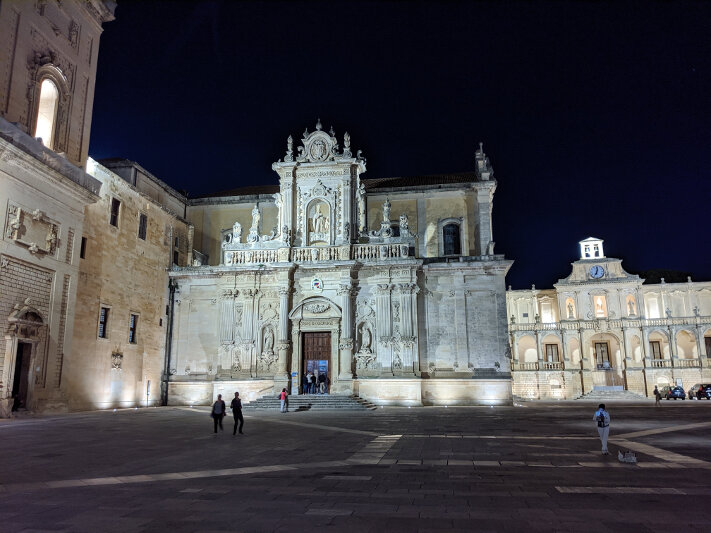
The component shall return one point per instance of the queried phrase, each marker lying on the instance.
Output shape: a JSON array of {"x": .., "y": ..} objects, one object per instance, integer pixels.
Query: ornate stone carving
[
  {"x": 360, "y": 197},
  {"x": 269, "y": 312},
  {"x": 347, "y": 145},
  {"x": 346, "y": 344},
  {"x": 289, "y": 157},
  {"x": 73, "y": 34},
  {"x": 397, "y": 361},
  {"x": 32, "y": 230},
  {"x": 265, "y": 361},
  {"x": 365, "y": 361},
  {"x": 317, "y": 308},
  {"x": 116, "y": 360}
]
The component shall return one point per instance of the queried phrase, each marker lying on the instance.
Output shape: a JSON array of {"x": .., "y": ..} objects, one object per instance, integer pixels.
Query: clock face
[{"x": 596, "y": 272}]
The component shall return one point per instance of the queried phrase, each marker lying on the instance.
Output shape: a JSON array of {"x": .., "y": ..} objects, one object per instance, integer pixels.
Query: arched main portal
[
  {"x": 24, "y": 335},
  {"x": 316, "y": 324}
]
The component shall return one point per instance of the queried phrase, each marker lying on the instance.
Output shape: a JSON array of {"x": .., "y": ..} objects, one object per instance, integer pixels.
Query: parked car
[
  {"x": 700, "y": 391},
  {"x": 671, "y": 391}
]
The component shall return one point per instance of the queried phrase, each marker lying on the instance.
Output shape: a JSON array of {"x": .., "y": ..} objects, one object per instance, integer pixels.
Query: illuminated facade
[
  {"x": 389, "y": 286},
  {"x": 47, "y": 73},
  {"x": 601, "y": 328}
]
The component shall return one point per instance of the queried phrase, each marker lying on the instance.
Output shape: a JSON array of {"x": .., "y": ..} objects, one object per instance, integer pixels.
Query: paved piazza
[{"x": 535, "y": 467}]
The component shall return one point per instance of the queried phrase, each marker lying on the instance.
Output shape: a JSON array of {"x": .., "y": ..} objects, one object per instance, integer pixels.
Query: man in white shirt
[{"x": 602, "y": 418}]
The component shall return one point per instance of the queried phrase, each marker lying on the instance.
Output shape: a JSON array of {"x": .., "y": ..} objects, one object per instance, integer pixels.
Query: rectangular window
[
  {"x": 176, "y": 242},
  {"x": 132, "y": 325},
  {"x": 656, "y": 348},
  {"x": 115, "y": 207},
  {"x": 552, "y": 353},
  {"x": 142, "y": 224},
  {"x": 82, "y": 249},
  {"x": 175, "y": 257},
  {"x": 104, "y": 323}
]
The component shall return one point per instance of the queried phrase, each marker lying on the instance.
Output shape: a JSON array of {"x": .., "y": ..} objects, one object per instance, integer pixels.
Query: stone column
[
  {"x": 408, "y": 321},
  {"x": 672, "y": 344},
  {"x": 566, "y": 357},
  {"x": 283, "y": 344},
  {"x": 248, "y": 313},
  {"x": 461, "y": 355},
  {"x": 383, "y": 311},
  {"x": 345, "y": 345}
]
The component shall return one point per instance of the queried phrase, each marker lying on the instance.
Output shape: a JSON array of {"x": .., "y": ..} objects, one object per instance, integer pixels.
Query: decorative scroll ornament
[{"x": 317, "y": 308}]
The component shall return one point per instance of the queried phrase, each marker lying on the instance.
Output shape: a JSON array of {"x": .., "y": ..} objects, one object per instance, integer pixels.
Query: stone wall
[{"x": 127, "y": 275}]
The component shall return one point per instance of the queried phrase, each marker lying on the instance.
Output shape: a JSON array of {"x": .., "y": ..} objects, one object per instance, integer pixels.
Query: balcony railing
[
  {"x": 604, "y": 324},
  {"x": 658, "y": 363}
]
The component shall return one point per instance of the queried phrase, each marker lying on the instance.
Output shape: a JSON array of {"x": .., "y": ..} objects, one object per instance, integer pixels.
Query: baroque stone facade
[
  {"x": 601, "y": 328},
  {"x": 397, "y": 277},
  {"x": 43, "y": 190}
]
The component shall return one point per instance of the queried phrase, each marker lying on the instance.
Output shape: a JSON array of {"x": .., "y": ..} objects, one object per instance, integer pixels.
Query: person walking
[
  {"x": 236, "y": 407},
  {"x": 218, "y": 412},
  {"x": 322, "y": 383},
  {"x": 283, "y": 397},
  {"x": 602, "y": 418},
  {"x": 657, "y": 397}
]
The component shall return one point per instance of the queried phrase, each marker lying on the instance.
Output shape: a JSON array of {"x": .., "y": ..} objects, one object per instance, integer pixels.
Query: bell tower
[{"x": 591, "y": 248}]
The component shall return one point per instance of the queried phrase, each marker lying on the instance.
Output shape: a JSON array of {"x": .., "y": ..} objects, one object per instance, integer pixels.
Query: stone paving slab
[{"x": 394, "y": 469}]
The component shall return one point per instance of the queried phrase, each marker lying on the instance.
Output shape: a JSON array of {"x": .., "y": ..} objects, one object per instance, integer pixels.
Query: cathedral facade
[{"x": 388, "y": 287}]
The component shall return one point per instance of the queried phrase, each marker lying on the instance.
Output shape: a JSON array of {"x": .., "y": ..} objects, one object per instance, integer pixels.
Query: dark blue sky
[{"x": 596, "y": 116}]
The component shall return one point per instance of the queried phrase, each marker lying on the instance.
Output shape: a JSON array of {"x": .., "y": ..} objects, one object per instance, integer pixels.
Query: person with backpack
[
  {"x": 602, "y": 417},
  {"x": 236, "y": 407}
]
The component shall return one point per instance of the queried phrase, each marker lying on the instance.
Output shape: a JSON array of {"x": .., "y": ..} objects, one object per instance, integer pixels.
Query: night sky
[{"x": 596, "y": 116}]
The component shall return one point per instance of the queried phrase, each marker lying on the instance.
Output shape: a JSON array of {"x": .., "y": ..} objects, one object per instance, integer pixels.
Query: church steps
[{"x": 304, "y": 402}]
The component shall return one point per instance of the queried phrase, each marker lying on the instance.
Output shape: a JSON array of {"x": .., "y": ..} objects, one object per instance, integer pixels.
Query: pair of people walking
[{"x": 219, "y": 412}]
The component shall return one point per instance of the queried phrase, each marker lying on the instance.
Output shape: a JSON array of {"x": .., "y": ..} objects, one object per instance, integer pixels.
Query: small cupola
[{"x": 591, "y": 248}]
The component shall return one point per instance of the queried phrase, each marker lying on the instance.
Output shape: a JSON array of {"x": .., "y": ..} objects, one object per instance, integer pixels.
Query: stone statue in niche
[
  {"x": 630, "y": 307},
  {"x": 319, "y": 221},
  {"x": 268, "y": 341},
  {"x": 365, "y": 339},
  {"x": 571, "y": 311},
  {"x": 320, "y": 225},
  {"x": 490, "y": 248}
]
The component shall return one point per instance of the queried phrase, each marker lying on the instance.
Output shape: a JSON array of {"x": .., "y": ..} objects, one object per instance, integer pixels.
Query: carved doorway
[
  {"x": 317, "y": 359},
  {"x": 20, "y": 380}
]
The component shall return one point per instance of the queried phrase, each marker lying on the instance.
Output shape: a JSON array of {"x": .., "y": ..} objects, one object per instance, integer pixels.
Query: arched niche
[{"x": 319, "y": 223}]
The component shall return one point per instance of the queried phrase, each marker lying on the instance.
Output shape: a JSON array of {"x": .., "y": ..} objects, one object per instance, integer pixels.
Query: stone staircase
[
  {"x": 308, "y": 402},
  {"x": 612, "y": 394}
]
